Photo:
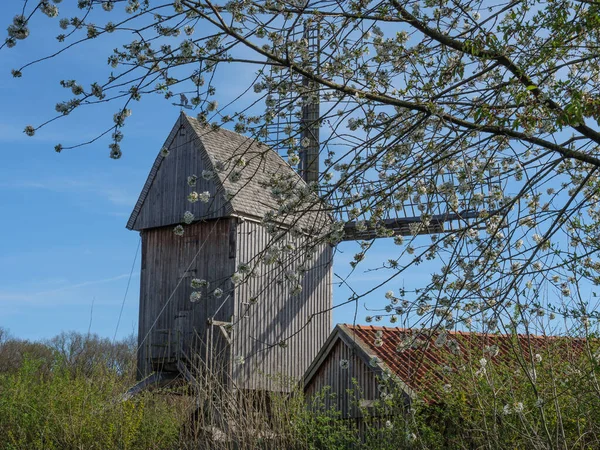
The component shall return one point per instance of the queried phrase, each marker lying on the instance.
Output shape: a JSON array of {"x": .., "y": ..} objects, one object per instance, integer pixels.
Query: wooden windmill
[
  {"x": 253, "y": 330},
  {"x": 265, "y": 326}
]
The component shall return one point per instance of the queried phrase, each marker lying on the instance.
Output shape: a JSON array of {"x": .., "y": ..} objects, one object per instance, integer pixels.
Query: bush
[
  {"x": 69, "y": 396},
  {"x": 63, "y": 410}
]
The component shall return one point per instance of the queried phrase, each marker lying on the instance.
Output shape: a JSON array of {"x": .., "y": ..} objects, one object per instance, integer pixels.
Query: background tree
[{"x": 447, "y": 107}]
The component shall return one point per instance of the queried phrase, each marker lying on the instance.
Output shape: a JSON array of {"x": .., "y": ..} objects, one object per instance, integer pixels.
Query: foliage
[
  {"x": 541, "y": 398},
  {"x": 85, "y": 352},
  {"x": 51, "y": 405},
  {"x": 546, "y": 400},
  {"x": 321, "y": 426}
]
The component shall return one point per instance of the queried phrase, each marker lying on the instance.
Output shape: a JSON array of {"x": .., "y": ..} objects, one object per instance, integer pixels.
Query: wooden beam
[
  {"x": 401, "y": 226},
  {"x": 154, "y": 380},
  {"x": 222, "y": 328}
]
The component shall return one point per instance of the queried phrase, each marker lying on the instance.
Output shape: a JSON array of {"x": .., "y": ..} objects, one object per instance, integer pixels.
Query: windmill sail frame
[{"x": 299, "y": 116}]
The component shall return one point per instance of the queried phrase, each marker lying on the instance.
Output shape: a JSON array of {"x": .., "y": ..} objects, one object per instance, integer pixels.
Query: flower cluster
[
  {"x": 178, "y": 230},
  {"x": 197, "y": 283},
  {"x": 188, "y": 217}
]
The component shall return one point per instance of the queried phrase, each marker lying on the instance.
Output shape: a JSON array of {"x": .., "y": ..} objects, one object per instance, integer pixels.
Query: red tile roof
[{"x": 418, "y": 358}]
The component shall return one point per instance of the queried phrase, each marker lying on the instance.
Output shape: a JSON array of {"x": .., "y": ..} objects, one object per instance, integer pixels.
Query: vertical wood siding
[
  {"x": 358, "y": 377},
  {"x": 166, "y": 201},
  {"x": 276, "y": 315},
  {"x": 165, "y": 323}
]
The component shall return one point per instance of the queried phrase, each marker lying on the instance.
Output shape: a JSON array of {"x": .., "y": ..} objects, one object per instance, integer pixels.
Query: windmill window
[{"x": 188, "y": 273}]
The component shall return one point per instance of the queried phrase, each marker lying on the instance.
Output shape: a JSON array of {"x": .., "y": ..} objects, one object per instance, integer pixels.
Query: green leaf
[{"x": 531, "y": 87}]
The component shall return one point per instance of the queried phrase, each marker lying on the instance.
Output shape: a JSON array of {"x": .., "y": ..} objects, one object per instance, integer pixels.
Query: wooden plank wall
[
  {"x": 166, "y": 200},
  {"x": 339, "y": 380},
  {"x": 165, "y": 258},
  {"x": 278, "y": 315}
]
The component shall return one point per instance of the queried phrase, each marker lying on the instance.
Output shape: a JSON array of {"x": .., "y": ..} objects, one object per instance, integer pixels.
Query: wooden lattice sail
[{"x": 294, "y": 114}]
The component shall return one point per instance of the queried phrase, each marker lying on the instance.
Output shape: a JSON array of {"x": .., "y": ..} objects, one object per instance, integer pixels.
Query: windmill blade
[
  {"x": 374, "y": 208},
  {"x": 293, "y": 114},
  {"x": 411, "y": 213}
]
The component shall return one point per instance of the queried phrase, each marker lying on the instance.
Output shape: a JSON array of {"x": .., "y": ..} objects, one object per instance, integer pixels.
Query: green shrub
[{"x": 62, "y": 410}]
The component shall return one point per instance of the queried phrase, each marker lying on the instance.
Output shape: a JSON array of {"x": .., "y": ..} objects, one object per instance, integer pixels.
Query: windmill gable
[
  {"x": 242, "y": 170},
  {"x": 163, "y": 200},
  {"x": 355, "y": 385}
]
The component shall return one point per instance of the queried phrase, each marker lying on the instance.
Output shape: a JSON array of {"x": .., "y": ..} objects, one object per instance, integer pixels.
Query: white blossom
[
  {"x": 491, "y": 350},
  {"x": 18, "y": 29},
  {"x": 198, "y": 283},
  {"x": 219, "y": 166},
  {"x": 518, "y": 407},
  {"x": 204, "y": 197},
  {"x": 441, "y": 340},
  {"x": 235, "y": 176},
  {"x": 178, "y": 230},
  {"x": 49, "y": 9},
  {"x": 188, "y": 217},
  {"x": 237, "y": 278}
]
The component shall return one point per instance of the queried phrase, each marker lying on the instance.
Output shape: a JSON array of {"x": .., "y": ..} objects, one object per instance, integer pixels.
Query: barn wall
[
  {"x": 277, "y": 315},
  {"x": 166, "y": 200},
  {"x": 339, "y": 380},
  {"x": 166, "y": 313}
]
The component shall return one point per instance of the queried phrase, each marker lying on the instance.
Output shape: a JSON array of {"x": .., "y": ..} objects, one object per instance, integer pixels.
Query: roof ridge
[
  {"x": 455, "y": 332},
  {"x": 249, "y": 138}
]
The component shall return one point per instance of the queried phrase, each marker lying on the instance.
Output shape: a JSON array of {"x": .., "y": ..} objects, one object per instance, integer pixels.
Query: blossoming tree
[{"x": 484, "y": 113}]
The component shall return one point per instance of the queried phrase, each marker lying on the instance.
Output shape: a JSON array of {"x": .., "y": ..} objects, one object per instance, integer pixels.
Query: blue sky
[{"x": 65, "y": 254}]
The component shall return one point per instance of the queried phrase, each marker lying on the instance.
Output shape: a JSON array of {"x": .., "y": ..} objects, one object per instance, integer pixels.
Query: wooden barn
[
  {"x": 348, "y": 361},
  {"x": 218, "y": 281},
  {"x": 375, "y": 361}
]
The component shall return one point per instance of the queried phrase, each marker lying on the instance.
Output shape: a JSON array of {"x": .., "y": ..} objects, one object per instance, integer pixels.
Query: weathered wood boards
[{"x": 275, "y": 332}]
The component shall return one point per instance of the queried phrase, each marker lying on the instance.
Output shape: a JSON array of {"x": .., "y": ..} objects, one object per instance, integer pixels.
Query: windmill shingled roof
[
  {"x": 419, "y": 366},
  {"x": 251, "y": 196}
]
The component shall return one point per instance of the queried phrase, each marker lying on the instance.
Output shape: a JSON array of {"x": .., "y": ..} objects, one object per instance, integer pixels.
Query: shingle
[{"x": 252, "y": 196}]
